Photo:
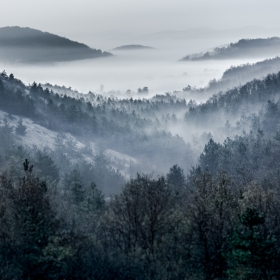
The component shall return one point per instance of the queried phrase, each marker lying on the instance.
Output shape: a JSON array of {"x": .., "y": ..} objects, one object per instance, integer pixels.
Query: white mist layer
[{"x": 157, "y": 69}]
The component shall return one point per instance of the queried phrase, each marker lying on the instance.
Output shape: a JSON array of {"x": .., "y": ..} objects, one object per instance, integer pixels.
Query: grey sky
[{"x": 69, "y": 17}]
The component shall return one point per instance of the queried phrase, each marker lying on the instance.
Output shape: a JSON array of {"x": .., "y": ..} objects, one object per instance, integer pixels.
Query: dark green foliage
[
  {"x": 31, "y": 224},
  {"x": 212, "y": 212},
  {"x": 176, "y": 178},
  {"x": 144, "y": 230},
  {"x": 210, "y": 157},
  {"x": 253, "y": 254}
]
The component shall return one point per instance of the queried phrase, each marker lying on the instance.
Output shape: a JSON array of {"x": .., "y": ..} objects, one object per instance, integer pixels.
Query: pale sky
[{"x": 71, "y": 17}]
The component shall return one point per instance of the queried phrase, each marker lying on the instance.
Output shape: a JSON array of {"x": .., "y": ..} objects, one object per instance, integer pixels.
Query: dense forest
[
  {"x": 139, "y": 188},
  {"x": 233, "y": 77},
  {"x": 37, "y": 46},
  {"x": 243, "y": 48}
]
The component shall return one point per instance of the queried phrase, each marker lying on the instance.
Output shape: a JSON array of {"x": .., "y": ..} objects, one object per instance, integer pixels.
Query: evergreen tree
[
  {"x": 34, "y": 224},
  {"x": 252, "y": 254},
  {"x": 176, "y": 178}
]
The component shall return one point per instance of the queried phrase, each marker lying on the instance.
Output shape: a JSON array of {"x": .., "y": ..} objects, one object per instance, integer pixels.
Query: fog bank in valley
[{"x": 159, "y": 70}]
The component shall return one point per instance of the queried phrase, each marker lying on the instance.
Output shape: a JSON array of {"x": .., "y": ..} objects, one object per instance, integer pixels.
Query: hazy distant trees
[
  {"x": 244, "y": 47},
  {"x": 20, "y": 128},
  {"x": 38, "y": 46},
  {"x": 143, "y": 90},
  {"x": 116, "y": 124}
]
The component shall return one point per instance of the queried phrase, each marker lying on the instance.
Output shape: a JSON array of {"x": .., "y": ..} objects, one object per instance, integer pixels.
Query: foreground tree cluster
[{"x": 209, "y": 228}]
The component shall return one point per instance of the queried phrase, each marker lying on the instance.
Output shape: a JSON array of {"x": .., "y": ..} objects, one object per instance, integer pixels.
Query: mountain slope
[
  {"x": 129, "y": 127},
  {"x": 235, "y": 76},
  {"x": 243, "y": 48},
  {"x": 28, "y": 45}
]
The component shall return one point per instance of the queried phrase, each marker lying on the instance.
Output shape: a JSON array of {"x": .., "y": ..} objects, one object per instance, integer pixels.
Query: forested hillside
[
  {"x": 204, "y": 204},
  {"x": 235, "y": 76},
  {"x": 243, "y": 48},
  {"x": 27, "y": 45}
]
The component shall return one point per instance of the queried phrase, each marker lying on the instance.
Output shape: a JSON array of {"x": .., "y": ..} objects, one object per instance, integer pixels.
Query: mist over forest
[
  {"x": 243, "y": 48},
  {"x": 137, "y": 165}
]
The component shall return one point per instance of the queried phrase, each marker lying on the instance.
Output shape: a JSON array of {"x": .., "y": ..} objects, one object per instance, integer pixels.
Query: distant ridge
[
  {"x": 132, "y": 47},
  {"x": 243, "y": 48},
  {"x": 27, "y": 45}
]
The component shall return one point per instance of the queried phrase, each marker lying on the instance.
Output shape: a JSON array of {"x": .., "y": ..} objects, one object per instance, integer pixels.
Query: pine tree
[
  {"x": 34, "y": 223},
  {"x": 252, "y": 254},
  {"x": 176, "y": 178}
]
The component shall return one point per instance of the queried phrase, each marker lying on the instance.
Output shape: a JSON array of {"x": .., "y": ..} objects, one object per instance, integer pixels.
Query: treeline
[
  {"x": 236, "y": 102},
  {"x": 243, "y": 48},
  {"x": 235, "y": 76}
]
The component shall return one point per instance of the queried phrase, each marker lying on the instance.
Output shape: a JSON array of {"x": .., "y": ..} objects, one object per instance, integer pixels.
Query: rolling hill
[
  {"x": 27, "y": 45},
  {"x": 243, "y": 48}
]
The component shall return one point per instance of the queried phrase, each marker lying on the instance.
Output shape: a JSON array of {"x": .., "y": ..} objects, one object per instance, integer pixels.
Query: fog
[{"x": 157, "y": 69}]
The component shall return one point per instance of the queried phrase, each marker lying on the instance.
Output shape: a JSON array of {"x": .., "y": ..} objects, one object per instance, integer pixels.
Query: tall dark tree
[
  {"x": 176, "y": 178},
  {"x": 34, "y": 224},
  {"x": 253, "y": 253}
]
